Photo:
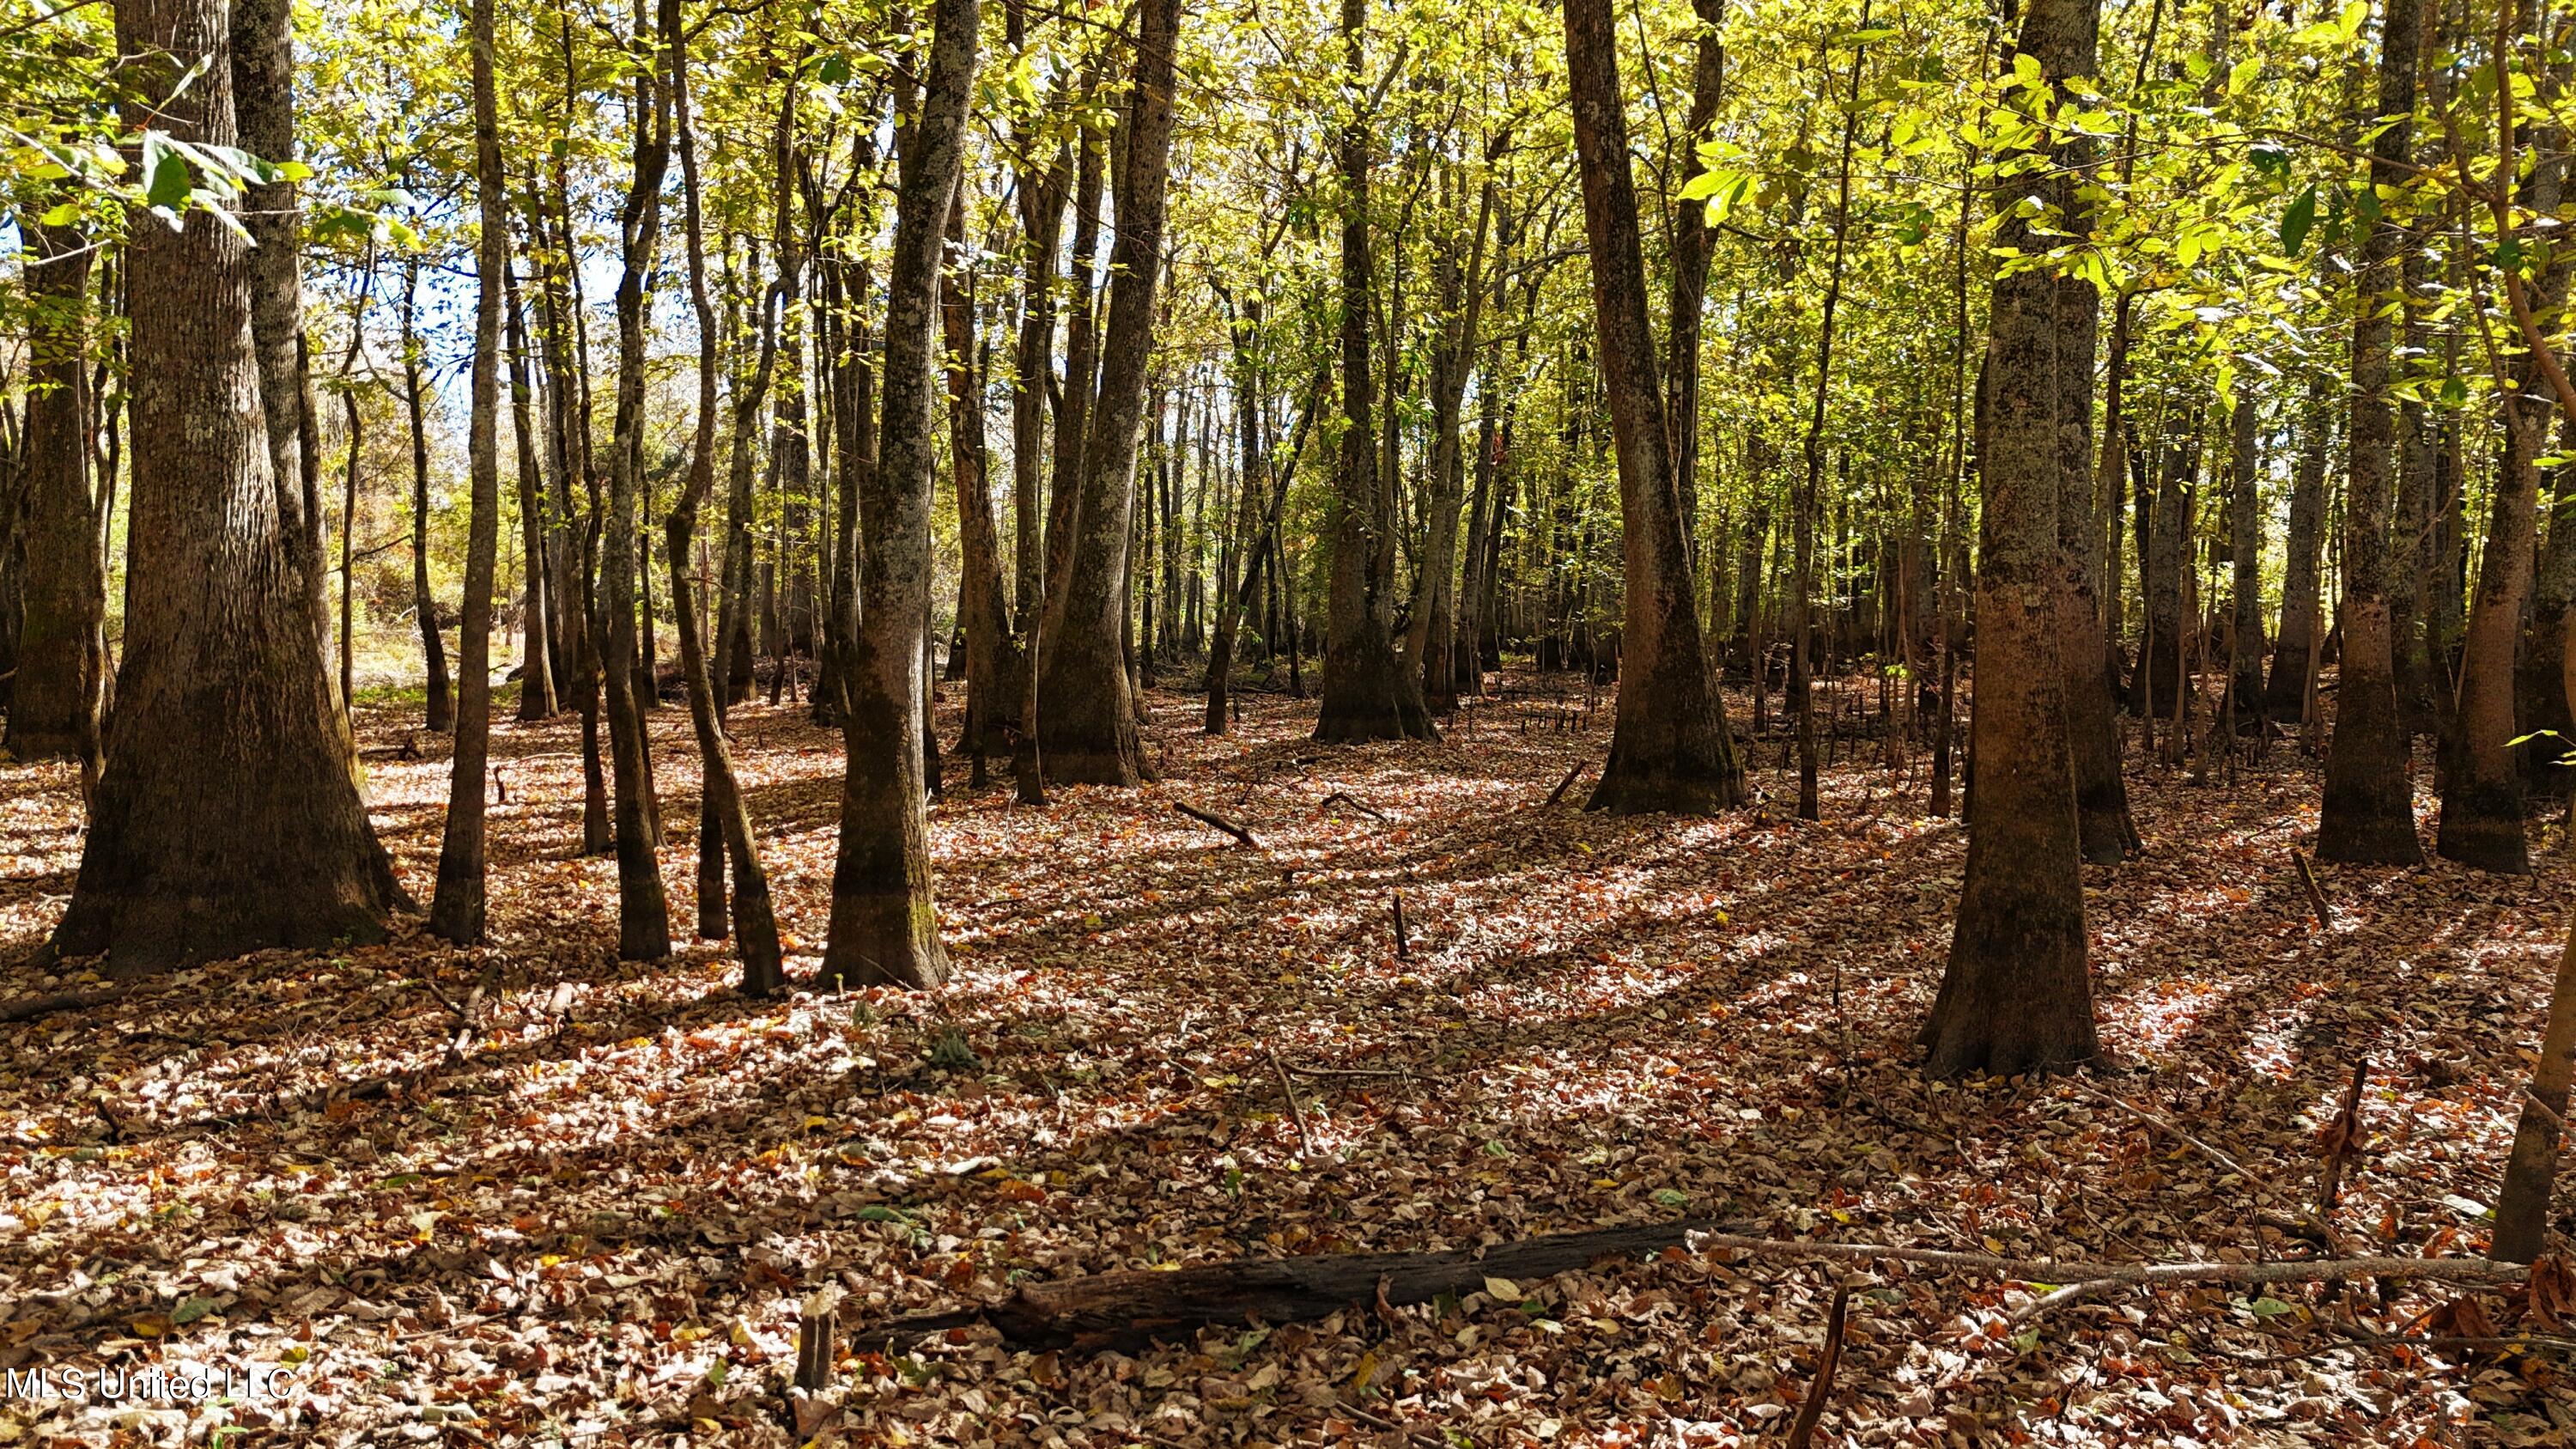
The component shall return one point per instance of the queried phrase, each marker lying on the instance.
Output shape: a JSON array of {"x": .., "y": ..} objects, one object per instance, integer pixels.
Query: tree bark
[
  {"x": 456, "y": 911},
  {"x": 2285, "y": 694},
  {"x": 643, "y": 907},
  {"x": 59, "y": 692},
  {"x": 992, "y": 654},
  {"x": 226, "y": 818},
  {"x": 536, "y": 659},
  {"x": 439, "y": 711},
  {"x": 722, "y": 807},
  {"x": 2531, "y": 1172},
  {"x": 1368, "y": 695},
  {"x": 2245, "y": 547},
  {"x": 1669, "y": 748},
  {"x": 885, "y": 925},
  {"x": 2018, "y": 995},
  {"x": 2369, "y": 814},
  {"x": 1087, "y": 713}
]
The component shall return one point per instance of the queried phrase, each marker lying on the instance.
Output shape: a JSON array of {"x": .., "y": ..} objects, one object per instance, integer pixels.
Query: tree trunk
[
  {"x": 722, "y": 804},
  {"x": 992, "y": 655},
  {"x": 2285, "y": 694},
  {"x": 56, "y": 698},
  {"x": 1087, "y": 713},
  {"x": 643, "y": 908},
  {"x": 2245, "y": 547},
  {"x": 2369, "y": 815},
  {"x": 2531, "y": 1172},
  {"x": 1669, "y": 749},
  {"x": 885, "y": 926},
  {"x": 2018, "y": 995},
  {"x": 226, "y": 819},
  {"x": 440, "y": 715},
  {"x": 1368, "y": 695},
  {"x": 1430, "y": 636},
  {"x": 456, "y": 911},
  {"x": 536, "y": 664},
  {"x": 2107, "y": 834}
]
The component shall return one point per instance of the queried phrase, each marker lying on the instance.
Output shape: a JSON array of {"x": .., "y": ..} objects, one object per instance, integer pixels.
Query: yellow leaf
[
  {"x": 1367, "y": 1370},
  {"x": 1502, "y": 1290}
]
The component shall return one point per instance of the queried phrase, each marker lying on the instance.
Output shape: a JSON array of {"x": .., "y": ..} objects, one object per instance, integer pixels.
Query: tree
[
  {"x": 1367, "y": 696},
  {"x": 59, "y": 690},
  {"x": 885, "y": 925},
  {"x": 1670, "y": 749},
  {"x": 456, "y": 912},
  {"x": 2018, "y": 995},
  {"x": 2369, "y": 814},
  {"x": 226, "y": 819},
  {"x": 1086, "y": 715}
]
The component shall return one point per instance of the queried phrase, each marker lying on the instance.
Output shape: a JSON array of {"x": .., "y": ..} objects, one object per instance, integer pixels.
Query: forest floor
[{"x": 596, "y": 1228}]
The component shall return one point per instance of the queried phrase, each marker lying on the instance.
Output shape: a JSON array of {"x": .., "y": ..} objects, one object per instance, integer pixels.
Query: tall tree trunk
[
  {"x": 263, "y": 67},
  {"x": 2285, "y": 694},
  {"x": 2245, "y": 549},
  {"x": 2482, "y": 791},
  {"x": 2106, "y": 832},
  {"x": 885, "y": 925},
  {"x": 440, "y": 710},
  {"x": 1367, "y": 693},
  {"x": 226, "y": 819},
  {"x": 2369, "y": 814},
  {"x": 536, "y": 662},
  {"x": 1690, "y": 257},
  {"x": 456, "y": 911},
  {"x": 1087, "y": 713},
  {"x": 1431, "y": 628},
  {"x": 1670, "y": 749},
  {"x": 643, "y": 908},
  {"x": 722, "y": 804},
  {"x": 2540, "y": 688},
  {"x": 992, "y": 655},
  {"x": 2018, "y": 995},
  {"x": 56, "y": 698}
]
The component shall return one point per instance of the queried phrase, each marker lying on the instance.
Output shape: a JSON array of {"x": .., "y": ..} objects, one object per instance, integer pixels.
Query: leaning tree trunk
[
  {"x": 456, "y": 912},
  {"x": 2369, "y": 812},
  {"x": 60, "y": 685},
  {"x": 885, "y": 926},
  {"x": 2018, "y": 995},
  {"x": 226, "y": 819},
  {"x": 1368, "y": 695},
  {"x": 1670, "y": 749},
  {"x": 1086, "y": 711},
  {"x": 2531, "y": 1172}
]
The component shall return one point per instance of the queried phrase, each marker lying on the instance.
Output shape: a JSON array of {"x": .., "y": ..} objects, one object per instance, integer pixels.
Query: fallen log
[{"x": 1126, "y": 1309}]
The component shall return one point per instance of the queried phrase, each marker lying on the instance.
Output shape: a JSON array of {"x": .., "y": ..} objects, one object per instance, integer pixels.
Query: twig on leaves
[
  {"x": 1344, "y": 797},
  {"x": 2316, "y": 894},
  {"x": 2264, "y": 1184},
  {"x": 1215, "y": 821},
  {"x": 1804, "y": 1429},
  {"x": 1565, "y": 784},
  {"x": 1289, "y": 1089}
]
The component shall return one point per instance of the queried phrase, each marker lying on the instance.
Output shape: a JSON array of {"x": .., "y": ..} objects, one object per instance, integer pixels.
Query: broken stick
[
  {"x": 2316, "y": 895},
  {"x": 1565, "y": 784},
  {"x": 1215, "y": 821}
]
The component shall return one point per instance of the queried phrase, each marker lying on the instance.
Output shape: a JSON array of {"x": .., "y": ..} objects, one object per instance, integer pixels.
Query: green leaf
[
  {"x": 1672, "y": 1197},
  {"x": 2296, "y": 221},
  {"x": 192, "y": 1310},
  {"x": 167, "y": 177},
  {"x": 63, "y": 215},
  {"x": 2269, "y": 1307}
]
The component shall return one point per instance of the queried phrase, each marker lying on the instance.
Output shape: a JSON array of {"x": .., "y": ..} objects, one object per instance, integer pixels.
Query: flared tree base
[
  {"x": 2481, "y": 827},
  {"x": 1382, "y": 722},
  {"x": 166, "y": 925},
  {"x": 883, "y": 940},
  {"x": 1665, "y": 789}
]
